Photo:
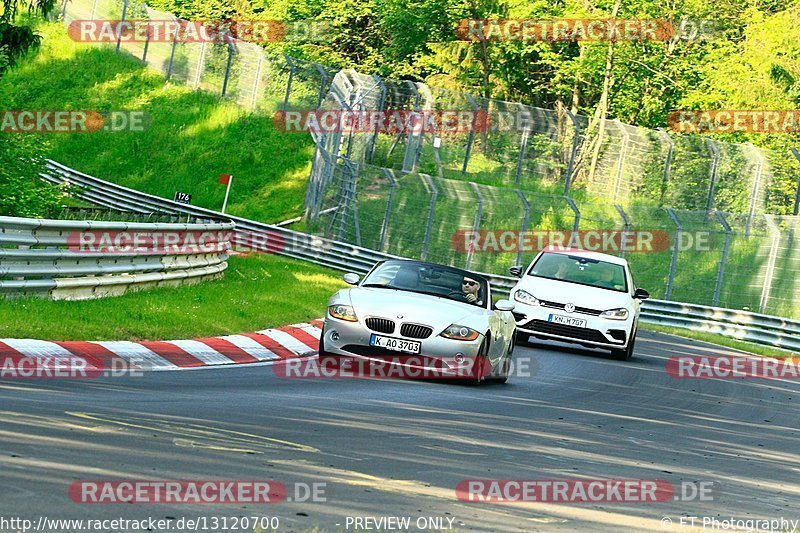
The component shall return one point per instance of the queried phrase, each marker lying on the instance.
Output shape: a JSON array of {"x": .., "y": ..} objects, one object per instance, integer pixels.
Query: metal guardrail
[
  {"x": 752, "y": 327},
  {"x": 42, "y": 257}
]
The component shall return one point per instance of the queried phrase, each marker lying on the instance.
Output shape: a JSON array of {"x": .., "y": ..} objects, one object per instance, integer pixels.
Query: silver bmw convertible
[{"x": 423, "y": 316}]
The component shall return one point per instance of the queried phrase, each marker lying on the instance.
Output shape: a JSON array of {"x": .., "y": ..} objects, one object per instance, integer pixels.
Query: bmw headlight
[
  {"x": 343, "y": 312},
  {"x": 615, "y": 314},
  {"x": 525, "y": 297},
  {"x": 460, "y": 333}
]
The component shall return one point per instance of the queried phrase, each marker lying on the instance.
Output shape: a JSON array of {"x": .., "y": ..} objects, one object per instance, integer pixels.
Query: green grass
[
  {"x": 756, "y": 349},
  {"x": 193, "y": 136},
  {"x": 257, "y": 292}
]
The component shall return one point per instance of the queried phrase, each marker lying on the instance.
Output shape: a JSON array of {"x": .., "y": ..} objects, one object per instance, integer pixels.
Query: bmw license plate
[
  {"x": 397, "y": 345},
  {"x": 567, "y": 321}
]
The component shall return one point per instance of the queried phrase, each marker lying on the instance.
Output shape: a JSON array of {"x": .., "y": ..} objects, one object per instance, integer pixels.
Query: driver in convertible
[{"x": 471, "y": 289}]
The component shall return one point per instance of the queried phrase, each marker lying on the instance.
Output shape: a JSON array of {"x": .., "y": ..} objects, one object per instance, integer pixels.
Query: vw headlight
[
  {"x": 615, "y": 314},
  {"x": 460, "y": 333},
  {"x": 525, "y": 297},
  {"x": 343, "y": 312}
]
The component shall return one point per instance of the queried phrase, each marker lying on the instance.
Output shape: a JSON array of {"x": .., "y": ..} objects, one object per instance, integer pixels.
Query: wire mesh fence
[{"x": 529, "y": 169}]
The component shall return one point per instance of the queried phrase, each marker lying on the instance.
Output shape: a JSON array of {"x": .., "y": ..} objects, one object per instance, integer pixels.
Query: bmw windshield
[{"x": 425, "y": 278}]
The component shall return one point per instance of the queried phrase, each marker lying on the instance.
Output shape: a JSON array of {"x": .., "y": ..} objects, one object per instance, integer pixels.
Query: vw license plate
[
  {"x": 567, "y": 321},
  {"x": 397, "y": 345}
]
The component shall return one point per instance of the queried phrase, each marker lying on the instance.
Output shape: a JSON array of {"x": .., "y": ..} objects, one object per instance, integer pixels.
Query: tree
[{"x": 15, "y": 40}]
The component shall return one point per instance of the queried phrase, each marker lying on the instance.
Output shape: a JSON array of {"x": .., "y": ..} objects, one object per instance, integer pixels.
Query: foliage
[{"x": 24, "y": 194}]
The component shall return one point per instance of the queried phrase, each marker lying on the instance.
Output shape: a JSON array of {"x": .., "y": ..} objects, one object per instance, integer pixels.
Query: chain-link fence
[
  {"x": 416, "y": 193},
  {"x": 256, "y": 78},
  {"x": 702, "y": 257}
]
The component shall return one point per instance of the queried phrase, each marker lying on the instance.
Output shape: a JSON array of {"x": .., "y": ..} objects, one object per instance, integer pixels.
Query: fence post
[
  {"x": 146, "y": 42},
  {"x": 122, "y": 20},
  {"x": 797, "y": 193},
  {"x": 64, "y": 11},
  {"x": 626, "y": 228},
  {"x": 523, "y": 142},
  {"x": 172, "y": 55},
  {"x": 257, "y": 81},
  {"x": 477, "y": 222},
  {"x": 413, "y": 139},
  {"x": 621, "y": 159},
  {"x": 526, "y": 205},
  {"x": 227, "y": 69},
  {"x": 431, "y": 210},
  {"x": 94, "y": 7},
  {"x": 323, "y": 83},
  {"x": 373, "y": 140},
  {"x": 723, "y": 260},
  {"x": 714, "y": 165},
  {"x": 200, "y": 60},
  {"x": 289, "y": 82},
  {"x": 470, "y": 136},
  {"x": 576, "y": 222},
  {"x": 754, "y": 193},
  {"x": 667, "y": 164},
  {"x": 575, "y": 143},
  {"x": 775, "y": 233},
  {"x": 675, "y": 251},
  {"x": 385, "y": 227}
]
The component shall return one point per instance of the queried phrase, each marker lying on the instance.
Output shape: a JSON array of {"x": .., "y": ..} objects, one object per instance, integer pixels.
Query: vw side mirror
[
  {"x": 504, "y": 305},
  {"x": 516, "y": 271},
  {"x": 641, "y": 294},
  {"x": 351, "y": 278}
]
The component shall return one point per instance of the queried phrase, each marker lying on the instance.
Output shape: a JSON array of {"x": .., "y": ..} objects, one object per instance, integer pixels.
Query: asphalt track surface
[{"x": 399, "y": 448}]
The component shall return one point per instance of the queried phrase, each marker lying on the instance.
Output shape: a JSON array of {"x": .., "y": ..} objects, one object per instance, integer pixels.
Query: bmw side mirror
[
  {"x": 516, "y": 271},
  {"x": 641, "y": 294},
  {"x": 504, "y": 305},
  {"x": 351, "y": 278}
]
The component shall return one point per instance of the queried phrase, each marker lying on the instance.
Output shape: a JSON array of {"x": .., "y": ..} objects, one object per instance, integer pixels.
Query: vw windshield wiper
[{"x": 376, "y": 285}]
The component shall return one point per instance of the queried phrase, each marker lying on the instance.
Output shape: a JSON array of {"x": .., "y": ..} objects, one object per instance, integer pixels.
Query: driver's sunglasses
[{"x": 469, "y": 282}]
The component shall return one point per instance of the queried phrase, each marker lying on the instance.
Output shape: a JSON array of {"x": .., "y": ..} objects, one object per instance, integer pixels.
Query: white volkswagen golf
[{"x": 581, "y": 297}]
